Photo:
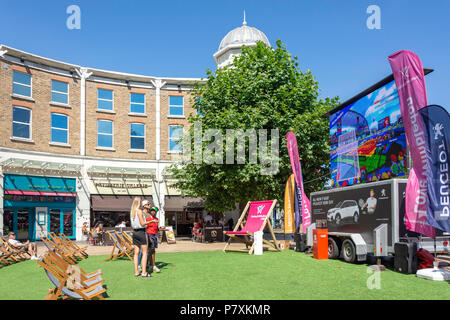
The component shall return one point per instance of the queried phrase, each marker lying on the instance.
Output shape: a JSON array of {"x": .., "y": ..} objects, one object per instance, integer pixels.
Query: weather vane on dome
[{"x": 245, "y": 22}]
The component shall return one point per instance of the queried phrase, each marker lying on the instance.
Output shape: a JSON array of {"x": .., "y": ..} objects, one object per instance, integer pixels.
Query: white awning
[
  {"x": 103, "y": 170},
  {"x": 18, "y": 163}
]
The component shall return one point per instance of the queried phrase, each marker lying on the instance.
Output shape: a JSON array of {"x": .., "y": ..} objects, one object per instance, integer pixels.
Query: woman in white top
[{"x": 140, "y": 241}]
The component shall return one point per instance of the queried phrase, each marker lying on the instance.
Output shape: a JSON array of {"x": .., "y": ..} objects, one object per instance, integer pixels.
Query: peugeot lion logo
[
  {"x": 405, "y": 72},
  {"x": 437, "y": 129}
]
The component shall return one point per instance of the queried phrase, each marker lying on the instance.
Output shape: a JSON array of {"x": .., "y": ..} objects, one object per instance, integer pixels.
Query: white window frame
[
  {"x": 145, "y": 100},
  {"x": 68, "y": 90},
  {"x": 105, "y": 110},
  {"x": 177, "y": 106},
  {"x": 25, "y": 85},
  {"x": 143, "y": 124},
  {"x": 106, "y": 134},
  {"x": 175, "y": 151},
  {"x": 51, "y": 127},
  {"x": 29, "y": 124}
]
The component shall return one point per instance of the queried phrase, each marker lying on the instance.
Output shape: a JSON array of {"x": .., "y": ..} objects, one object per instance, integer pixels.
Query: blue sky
[{"x": 178, "y": 38}]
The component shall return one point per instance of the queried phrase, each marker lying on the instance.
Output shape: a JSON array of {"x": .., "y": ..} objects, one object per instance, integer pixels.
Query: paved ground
[{"x": 180, "y": 246}]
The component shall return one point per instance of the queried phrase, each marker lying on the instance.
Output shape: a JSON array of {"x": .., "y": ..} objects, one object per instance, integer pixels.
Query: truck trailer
[{"x": 367, "y": 219}]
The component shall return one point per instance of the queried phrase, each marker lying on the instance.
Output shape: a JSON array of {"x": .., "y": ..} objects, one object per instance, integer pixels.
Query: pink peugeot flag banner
[
  {"x": 410, "y": 82},
  {"x": 297, "y": 170}
]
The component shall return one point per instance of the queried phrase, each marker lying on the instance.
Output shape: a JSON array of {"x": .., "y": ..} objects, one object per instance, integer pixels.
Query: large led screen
[{"x": 367, "y": 139}]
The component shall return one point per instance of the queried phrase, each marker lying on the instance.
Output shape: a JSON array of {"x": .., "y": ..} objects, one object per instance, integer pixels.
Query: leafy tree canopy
[{"x": 263, "y": 89}]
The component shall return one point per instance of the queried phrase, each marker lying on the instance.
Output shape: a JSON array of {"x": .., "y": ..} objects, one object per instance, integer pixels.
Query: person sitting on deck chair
[{"x": 31, "y": 246}]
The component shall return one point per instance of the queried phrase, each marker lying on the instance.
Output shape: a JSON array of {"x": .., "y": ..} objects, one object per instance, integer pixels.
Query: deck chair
[
  {"x": 257, "y": 214},
  {"x": 51, "y": 245},
  {"x": 121, "y": 246},
  {"x": 85, "y": 279},
  {"x": 128, "y": 238},
  {"x": 73, "y": 244},
  {"x": 59, "y": 278},
  {"x": 68, "y": 245},
  {"x": 17, "y": 254},
  {"x": 4, "y": 257}
]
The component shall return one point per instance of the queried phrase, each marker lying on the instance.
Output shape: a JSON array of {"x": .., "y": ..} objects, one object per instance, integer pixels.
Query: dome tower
[{"x": 231, "y": 44}]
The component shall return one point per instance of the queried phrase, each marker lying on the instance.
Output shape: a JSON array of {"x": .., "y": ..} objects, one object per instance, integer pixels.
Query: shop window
[
  {"x": 8, "y": 219},
  {"x": 137, "y": 136},
  {"x": 21, "y": 124},
  {"x": 60, "y": 128},
  {"x": 105, "y": 99},
  {"x": 105, "y": 133},
  {"x": 176, "y": 107},
  {"x": 111, "y": 219},
  {"x": 22, "y": 224},
  {"x": 68, "y": 222},
  {"x": 137, "y": 103},
  {"x": 21, "y": 83},
  {"x": 60, "y": 92},
  {"x": 55, "y": 220},
  {"x": 175, "y": 138}
]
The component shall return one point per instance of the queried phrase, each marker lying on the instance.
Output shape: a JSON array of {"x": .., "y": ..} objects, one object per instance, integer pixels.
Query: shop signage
[
  {"x": 33, "y": 185},
  {"x": 121, "y": 187}
]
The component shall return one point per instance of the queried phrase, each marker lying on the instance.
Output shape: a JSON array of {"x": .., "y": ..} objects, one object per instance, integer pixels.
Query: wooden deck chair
[
  {"x": 125, "y": 241},
  {"x": 64, "y": 246},
  {"x": 18, "y": 254},
  {"x": 128, "y": 237},
  {"x": 53, "y": 246},
  {"x": 119, "y": 245},
  {"x": 59, "y": 279},
  {"x": 257, "y": 214},
  {"x": 84, "y": 279},
  {"x": 68, "y": 245},
  {"x": 73, "y": 244},
  {"x": 5, "y": 255},
  {"x": 58, "y": 259}
]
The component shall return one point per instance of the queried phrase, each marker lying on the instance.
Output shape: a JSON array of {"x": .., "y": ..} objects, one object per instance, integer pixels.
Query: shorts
[
  {"x": 139, "y": 237},
  {"x": 152, "y": 241}
]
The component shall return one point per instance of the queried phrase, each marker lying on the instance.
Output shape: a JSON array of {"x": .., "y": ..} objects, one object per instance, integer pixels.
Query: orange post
[{"x": 320, "y": 244}]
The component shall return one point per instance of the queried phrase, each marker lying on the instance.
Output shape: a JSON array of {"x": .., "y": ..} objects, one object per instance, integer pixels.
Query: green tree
[{"x": 262, "y": 89}]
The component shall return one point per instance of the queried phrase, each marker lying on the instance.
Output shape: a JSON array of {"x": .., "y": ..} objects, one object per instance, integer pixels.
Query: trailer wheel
[
  {"x": 333, "y": 249},
  {"x": 349, "y": 251}
]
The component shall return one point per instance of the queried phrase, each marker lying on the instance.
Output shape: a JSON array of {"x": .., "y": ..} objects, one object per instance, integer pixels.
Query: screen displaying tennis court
[{"x": 367, "y": 139}]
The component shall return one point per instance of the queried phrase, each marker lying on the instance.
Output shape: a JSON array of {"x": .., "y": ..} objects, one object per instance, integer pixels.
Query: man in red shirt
[{"x": 152, "y": 231}]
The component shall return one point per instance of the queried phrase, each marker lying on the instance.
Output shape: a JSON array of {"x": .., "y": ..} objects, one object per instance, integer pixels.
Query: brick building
[{"x": 77, "y": 143}]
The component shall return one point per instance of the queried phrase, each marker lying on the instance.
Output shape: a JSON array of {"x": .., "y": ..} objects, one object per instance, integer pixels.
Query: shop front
[
  {"x": 111, "y": 210},
  {"x": 35, "y": 206},
  {"x": 111, "y": 199},
  {"x": 182, "y": 213}
]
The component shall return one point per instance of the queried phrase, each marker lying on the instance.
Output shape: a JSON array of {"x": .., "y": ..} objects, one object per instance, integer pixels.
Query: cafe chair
[{"x": 257, "y": 215}]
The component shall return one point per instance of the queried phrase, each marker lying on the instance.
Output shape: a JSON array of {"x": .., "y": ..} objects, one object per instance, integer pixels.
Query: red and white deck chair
[{"x": 257, "y": 219}]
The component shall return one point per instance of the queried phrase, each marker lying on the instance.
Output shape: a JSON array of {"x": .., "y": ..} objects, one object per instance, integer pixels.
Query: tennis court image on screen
[{"x": 367, "y": 139}]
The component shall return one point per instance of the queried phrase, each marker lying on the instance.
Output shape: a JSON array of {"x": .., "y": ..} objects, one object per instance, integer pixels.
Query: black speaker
[
  {"x": 300, "y": 242},
  {"x": 405, "y": 259}
]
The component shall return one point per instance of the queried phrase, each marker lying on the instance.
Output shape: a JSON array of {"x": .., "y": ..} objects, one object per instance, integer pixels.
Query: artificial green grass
[{"x": 216, "y": 275}]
